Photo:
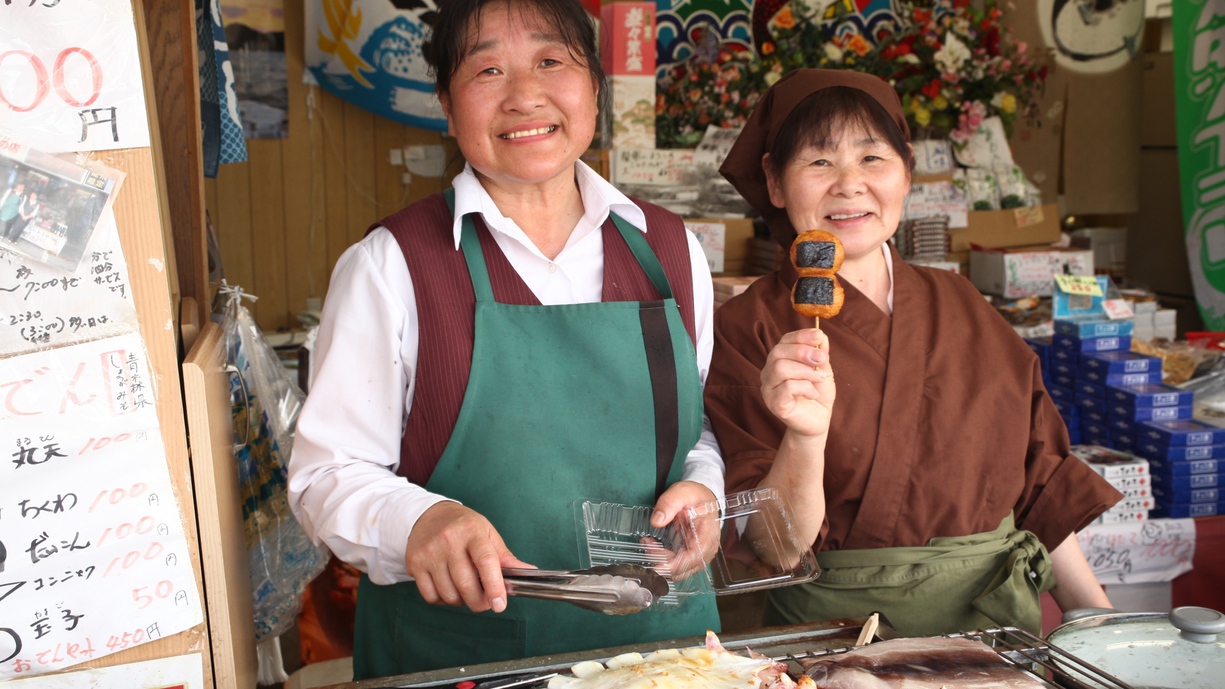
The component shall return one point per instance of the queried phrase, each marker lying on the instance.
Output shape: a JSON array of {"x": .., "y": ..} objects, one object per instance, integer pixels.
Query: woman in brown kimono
[{"x": 938, "y": 489}]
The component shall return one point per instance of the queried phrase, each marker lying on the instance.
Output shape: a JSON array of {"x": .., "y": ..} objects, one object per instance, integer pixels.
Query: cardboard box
[
  {"x": 1007, "y": 228},
  {"x": 1015, "y": 273},
  {"x": 735, "y": 243}
]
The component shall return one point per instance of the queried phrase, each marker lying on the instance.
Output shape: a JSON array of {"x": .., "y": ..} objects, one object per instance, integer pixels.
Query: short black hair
[
  {"x": 819, "y": 116},
  {"x": 448, "y": 43}
]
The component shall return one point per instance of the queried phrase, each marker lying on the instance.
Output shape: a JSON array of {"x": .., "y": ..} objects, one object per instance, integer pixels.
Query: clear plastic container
[{"x": 741, "y": 542}]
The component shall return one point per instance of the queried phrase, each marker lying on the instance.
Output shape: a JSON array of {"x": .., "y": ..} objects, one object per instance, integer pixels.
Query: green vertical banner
[{"x": 1199, "y": 93}]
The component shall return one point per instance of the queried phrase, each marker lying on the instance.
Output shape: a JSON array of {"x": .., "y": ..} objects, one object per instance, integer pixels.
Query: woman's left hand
[{"x": 673, "y": 508}]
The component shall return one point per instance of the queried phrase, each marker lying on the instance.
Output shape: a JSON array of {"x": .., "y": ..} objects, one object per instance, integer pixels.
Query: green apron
[
  {"x": 559, "y": 408},
  {"x": 952, "y": 584}
]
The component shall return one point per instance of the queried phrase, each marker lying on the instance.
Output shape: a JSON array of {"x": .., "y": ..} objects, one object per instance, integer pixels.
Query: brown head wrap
[{"x": 742, "y": 167}]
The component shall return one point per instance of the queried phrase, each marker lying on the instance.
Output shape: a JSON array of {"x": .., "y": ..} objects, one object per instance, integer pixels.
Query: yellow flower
[
  {"x": 923, "y": 116},
  {"x": 772, "y": 77},
  {"x": 1009, "y": 104},
  {"x": 940, "y": 103}
]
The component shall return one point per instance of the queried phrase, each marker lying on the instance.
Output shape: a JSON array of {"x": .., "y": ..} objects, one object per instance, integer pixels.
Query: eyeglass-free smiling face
[
  {"x": 521, "y": 106},
  {"x": 852, "y": 185}
]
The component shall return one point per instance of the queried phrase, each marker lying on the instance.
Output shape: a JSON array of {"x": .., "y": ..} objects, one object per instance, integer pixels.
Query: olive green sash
[{"x": 951, "y": 584}]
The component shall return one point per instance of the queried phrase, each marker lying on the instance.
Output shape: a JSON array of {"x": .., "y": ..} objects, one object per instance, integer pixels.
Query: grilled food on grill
[
  {"x": 925, "y": 663},
  {"x": 687, "y": 668}
]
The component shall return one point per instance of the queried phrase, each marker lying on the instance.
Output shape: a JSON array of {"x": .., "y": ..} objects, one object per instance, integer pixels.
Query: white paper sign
[
  {"x": 716, "y": 144},
  {"x": 42, "y": 306},
  {"x": 988, "y": 149},
  {"x": 70, "y": 76},
  {"x": 713, "y": 238},
  {"x": 652, "y": 166},
  {"x": 175, "y": 672},
  {"x": 927, "y": 199},
  {"x": 1152, "y": 551},
  {"x": 96, "y": 558}
]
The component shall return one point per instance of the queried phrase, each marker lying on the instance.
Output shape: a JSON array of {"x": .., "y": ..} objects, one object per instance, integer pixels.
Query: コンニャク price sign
[
  {"x": 70, "y": 77},
  {"x": 95, "y": 558}
]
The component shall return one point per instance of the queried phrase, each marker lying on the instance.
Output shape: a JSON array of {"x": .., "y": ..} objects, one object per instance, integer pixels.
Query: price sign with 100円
[{"x": 95, "y": 555}]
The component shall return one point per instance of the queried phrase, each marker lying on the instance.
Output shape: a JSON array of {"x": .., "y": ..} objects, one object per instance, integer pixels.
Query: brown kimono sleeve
[{"x": 1062, "y": 494}]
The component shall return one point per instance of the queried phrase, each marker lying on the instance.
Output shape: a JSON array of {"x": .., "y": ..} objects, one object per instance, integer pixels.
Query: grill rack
[
  {"x": 1024, "y": 650},
  {"x": 1027, "y": 652}
]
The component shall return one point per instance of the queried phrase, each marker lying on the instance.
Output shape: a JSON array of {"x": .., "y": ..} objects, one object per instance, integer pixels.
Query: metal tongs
[{"x": 610, "y": 589}]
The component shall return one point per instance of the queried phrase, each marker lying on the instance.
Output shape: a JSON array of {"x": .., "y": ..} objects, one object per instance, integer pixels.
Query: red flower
[
  {"x": 932, "y": 89},
  {"x": 961, "y": 4},
  {"x": 991, "y": 40},
  {"x": 922, "y": 16}
]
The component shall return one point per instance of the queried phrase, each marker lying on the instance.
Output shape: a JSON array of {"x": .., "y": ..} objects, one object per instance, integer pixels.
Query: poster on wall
[
  {"x": 368, "y": 52},
  {"x": 255, "y": 33},
  {"x": 95, "y": 556},
  {"x": 1199, "y": 106},
  {"x": 1095, "y": 37},
  {"x": 70, "y": 77}
]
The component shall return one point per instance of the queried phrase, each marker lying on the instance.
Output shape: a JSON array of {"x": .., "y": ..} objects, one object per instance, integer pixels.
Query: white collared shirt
[{"x": 342, "y": 482}]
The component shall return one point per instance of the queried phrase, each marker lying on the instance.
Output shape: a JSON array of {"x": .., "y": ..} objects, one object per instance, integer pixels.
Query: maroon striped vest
[{"x": 446, "y": 304}]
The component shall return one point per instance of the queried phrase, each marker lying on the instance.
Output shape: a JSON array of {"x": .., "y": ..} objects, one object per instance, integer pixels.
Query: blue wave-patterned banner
[{"x": 368, "y": 52}]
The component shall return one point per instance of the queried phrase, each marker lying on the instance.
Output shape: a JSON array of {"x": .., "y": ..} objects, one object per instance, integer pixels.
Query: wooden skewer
[{"x": 869, "y": 630}]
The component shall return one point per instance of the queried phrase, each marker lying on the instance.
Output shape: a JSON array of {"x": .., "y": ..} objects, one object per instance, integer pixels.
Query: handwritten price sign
[
  {"x": 70, "y": 76},
  {"x": 1079, "y": 285},
  {"x": 1150, "y": 551},
  {"x": 96, "y": 560}
]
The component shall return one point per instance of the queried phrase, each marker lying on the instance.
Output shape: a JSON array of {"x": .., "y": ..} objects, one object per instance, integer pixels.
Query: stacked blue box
[
  {"x": 1187, "y": 461},
  {"x": 1094, "y": 351},
  {"x": 1115, "y": 379},
  {"x": 1092, "y": 344},
  {"x": 1189, "y": 482},
  {"x": 1118, "y": 362},
  {"x": 1084, "y": 329},
  {"x": 1186, "y": 510},
  {"x": 1199, "y": 467},
  {"x": 1179, "y": 433},
  {"x": 1179, "y": 453}
]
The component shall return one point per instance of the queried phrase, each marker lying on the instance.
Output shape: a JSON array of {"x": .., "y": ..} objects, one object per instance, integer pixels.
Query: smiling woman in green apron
[
  {"x": 489, "y": 356},
  {"x": 911, "y": 432}
]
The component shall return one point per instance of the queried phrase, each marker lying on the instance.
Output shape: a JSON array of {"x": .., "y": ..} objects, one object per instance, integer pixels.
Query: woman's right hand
[
  {"x": 456, "y": 557},
  {"x": 797, "y": 382}
]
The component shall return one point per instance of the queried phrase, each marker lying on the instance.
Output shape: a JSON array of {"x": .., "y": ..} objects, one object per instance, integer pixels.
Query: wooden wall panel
[
  {"x": 267, "y": 230},
  {"x": 283, "y": 217}
]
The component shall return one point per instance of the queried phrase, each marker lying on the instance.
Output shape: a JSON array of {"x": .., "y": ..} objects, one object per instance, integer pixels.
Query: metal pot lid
[{"x": 1182, "y": 650}]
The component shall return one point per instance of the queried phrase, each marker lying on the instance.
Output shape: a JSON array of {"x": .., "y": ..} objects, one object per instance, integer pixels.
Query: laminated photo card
[{"x": 49, "y": 207}]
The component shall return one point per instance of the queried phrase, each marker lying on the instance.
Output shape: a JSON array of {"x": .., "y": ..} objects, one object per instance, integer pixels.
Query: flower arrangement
[
  {"x": 699, "y": 93},
  {"x": 950, "y": 61}
]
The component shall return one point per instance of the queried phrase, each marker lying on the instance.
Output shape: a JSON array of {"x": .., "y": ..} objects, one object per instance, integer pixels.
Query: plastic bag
[{"x": 282, "y": 560}]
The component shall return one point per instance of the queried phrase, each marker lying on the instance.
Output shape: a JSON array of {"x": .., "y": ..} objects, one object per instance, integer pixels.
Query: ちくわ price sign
[
  {"x": 70, "y": 76},
  {"x": 95, "y": 559}
]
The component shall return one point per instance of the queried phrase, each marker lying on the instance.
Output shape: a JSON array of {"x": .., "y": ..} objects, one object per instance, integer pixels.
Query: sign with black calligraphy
[
  {"x": 1150, "y": 551},
  {"x": 42, "y": 306},
  {"x": 70, "y": 77},
  {"x": 95, "y": 557}
]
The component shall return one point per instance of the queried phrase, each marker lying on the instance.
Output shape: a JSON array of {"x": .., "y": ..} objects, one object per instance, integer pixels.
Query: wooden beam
[{"x": 171, "y": 34}]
